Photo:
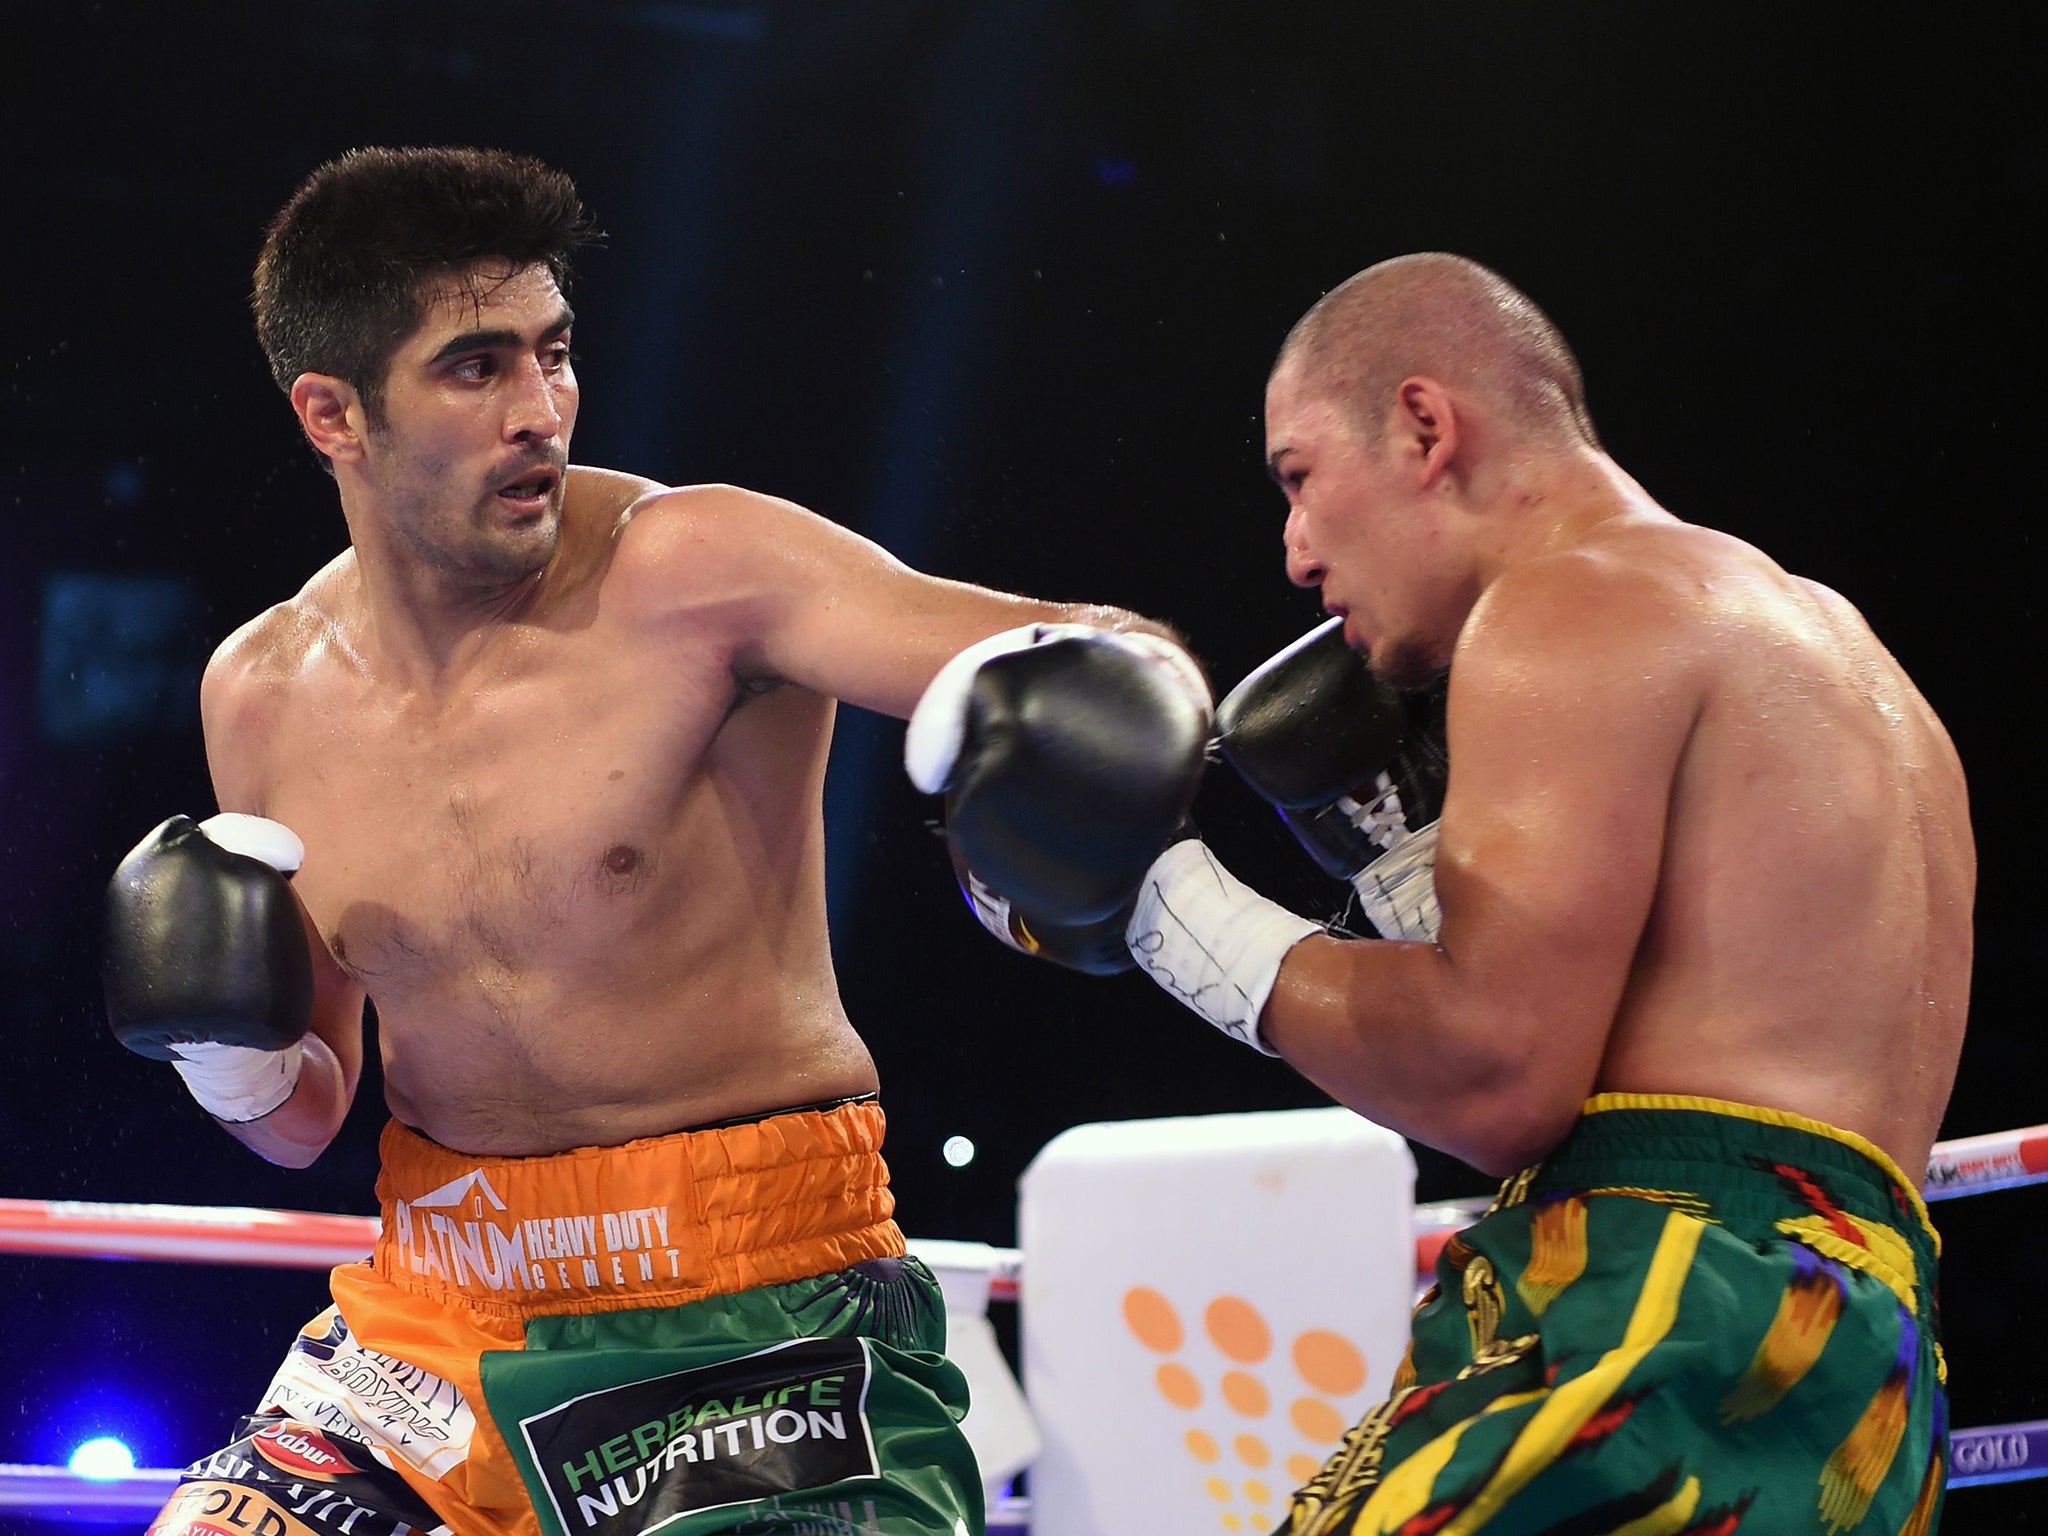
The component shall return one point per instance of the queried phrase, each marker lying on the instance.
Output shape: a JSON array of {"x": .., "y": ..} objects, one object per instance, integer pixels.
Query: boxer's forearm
[
  {"x": 1398, "y": 1033},
  {"x": 299, "y": 1129},
  {"x": 1102, "y": 616},
  {"x": 1460, "y": 1054}
]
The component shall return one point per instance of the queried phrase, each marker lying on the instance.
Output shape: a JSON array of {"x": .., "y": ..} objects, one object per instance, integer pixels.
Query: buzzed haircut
[
  {"x": 1449, "y": 318},
  {"x": 342, "y": 278}
]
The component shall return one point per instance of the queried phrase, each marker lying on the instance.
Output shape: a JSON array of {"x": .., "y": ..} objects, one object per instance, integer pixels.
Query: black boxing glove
[
  {"x": 1068, "y": 756},
  {"x": 206, "y": 962},
  {"x": 1356, "y": 772}
]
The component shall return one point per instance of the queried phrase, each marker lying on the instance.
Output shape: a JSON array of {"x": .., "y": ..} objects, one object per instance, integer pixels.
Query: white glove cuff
[
  {"x": 238, "y": 1083},
  {"x": 257, "y": 837},
  {"x": 1211, "y": 940},
  {"x": 938, "y": 726}
]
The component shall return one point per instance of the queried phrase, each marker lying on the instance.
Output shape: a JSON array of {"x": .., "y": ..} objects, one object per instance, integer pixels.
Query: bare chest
[{"x": 529, "y": 820}]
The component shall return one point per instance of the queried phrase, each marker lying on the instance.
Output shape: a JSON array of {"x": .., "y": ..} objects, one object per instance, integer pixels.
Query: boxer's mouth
[{"x": 530, "y": 491}]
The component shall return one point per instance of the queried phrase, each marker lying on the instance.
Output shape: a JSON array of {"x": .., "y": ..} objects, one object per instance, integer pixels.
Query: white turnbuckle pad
[{"x": 1208, "y": 1304}]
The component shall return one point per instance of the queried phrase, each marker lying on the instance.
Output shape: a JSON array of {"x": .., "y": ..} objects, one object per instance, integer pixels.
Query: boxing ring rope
[
  {"x": 245, "y": 1235},
  {"x": 236, "y": 1234}
]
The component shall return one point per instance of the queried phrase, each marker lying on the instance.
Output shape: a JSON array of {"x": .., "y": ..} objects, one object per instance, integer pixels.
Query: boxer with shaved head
[{"x": 1671, "y": 870}]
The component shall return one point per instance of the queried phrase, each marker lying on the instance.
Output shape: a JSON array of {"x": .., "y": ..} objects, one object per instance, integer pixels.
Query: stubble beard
[
  {"x": 473, "y": 553},
  {"x": 507, "y": 555},
  {"x": 470, "y": 546},
  {"x": 1405, "y": 667}
]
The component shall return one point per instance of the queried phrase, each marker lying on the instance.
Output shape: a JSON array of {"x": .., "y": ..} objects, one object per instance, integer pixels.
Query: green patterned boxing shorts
[{"x": 1695, "y": 1318}]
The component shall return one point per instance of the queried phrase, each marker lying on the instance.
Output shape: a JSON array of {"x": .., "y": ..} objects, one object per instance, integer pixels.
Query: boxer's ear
[
  {"x": 1424, "y": 428},
  {"x": 331, "y": 414}
]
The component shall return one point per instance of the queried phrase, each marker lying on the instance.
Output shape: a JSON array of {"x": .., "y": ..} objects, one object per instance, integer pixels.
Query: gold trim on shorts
[{"x": 1791, "y": 1120}]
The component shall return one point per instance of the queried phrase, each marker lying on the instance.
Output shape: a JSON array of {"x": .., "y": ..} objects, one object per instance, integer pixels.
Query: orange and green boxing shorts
[
  {"x": 714, "y": 1331},
  {"x": 1695, "y": 1318}
]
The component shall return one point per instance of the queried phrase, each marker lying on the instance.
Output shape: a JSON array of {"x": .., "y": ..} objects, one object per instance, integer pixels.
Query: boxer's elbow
[
  {"x": 287, "y": 1154},
  {"x": 1486, "y": 1073},
  {"x": 287, "y": 1145},
  {"x": 1505, "y": 1138},
  {"x": 1514, "y": 1100}
]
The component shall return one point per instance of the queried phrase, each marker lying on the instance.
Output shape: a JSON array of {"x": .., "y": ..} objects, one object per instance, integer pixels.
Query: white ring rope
[
  {"x": 1995, "y": 1453},
  {"x": 201, "y": 1234},
  {"x": 239, "y": 1234},
  {"x": 59, "y": 1492},
  {"x": 1975, "y": 1164},
  {"x": 228, "y": 1234}
]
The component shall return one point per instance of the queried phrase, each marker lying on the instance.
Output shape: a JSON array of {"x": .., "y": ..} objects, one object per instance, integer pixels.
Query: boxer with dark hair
[
  {"x": 536, "y": 766},
  {"x": 1685, "y": 955}
]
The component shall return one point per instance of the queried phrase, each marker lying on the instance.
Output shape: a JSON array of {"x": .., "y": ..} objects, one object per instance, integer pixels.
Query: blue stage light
[
  {"x": 102, "y": 1456},
  {"x": 121, "y": 655}
]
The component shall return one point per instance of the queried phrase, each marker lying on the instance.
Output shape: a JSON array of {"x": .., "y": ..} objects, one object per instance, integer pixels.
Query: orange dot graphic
[
  {"x": 1178, "y": 1386},
  {"x": 1251, "y": 1450},
  {"x": 1203, "y": 1445},
  {"x": 1329, "y": 1362},
  {"x": 1238, "y": 1330},
  {"x": 1152, "y": 1318},
  {"x": 1246, "y": 1393},
  {"x": 1219, "y": 1490},
  {"x": 1317, "y": 1420},
  {"x": 1233, "y": 1522},
  {"x": 1257, "y": 1492},
  {"x": 1301, "y": 1468}
]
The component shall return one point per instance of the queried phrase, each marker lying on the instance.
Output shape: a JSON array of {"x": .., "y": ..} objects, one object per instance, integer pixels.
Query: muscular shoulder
[
  {"x": 1605, "y": 645},
  {"x": 603, "y": 498},
  {"x": 255, "y": 670},
  {"x": 702, "y": 549},
  {"x": 267, "y": 653},
  {"x": 679, "y": 530},
  {"x": 1632, "y": 601}
]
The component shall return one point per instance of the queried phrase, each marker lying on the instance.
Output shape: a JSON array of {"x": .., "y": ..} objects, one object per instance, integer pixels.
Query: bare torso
[
  {"x": 583, "y": 882},
  {"x": 1808, "y": 946}
]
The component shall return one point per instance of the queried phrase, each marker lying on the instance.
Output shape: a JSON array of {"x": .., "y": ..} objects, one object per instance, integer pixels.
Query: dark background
[{"x": 997, "y": 284}]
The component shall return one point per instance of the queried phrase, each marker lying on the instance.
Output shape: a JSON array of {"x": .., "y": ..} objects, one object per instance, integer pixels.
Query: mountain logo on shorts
[{"x": 451, "y": 1195}]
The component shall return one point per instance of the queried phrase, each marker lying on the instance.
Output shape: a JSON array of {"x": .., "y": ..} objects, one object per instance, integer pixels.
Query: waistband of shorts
[
  {"x": 651, "y": 1222},
  {"x": 1737, "y": 1161}
]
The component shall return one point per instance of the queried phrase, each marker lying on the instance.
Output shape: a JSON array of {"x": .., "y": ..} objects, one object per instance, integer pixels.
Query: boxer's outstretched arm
[
  {"x": 1571, "y": 701},
  {"x": 237, "y": 705},
  {"x": 816, "y": 604}
]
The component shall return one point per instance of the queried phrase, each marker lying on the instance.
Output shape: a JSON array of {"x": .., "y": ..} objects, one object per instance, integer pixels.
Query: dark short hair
[{"x": 341, "y": 279}]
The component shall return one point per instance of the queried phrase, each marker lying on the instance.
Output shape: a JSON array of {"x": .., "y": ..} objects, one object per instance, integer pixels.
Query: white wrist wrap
[
  {"x": 938, "y": 726},
  {"x": 238, "y": 1083},
  {"x": 1398, "y": 889},
  {"x": 1211, "y": 940}
]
